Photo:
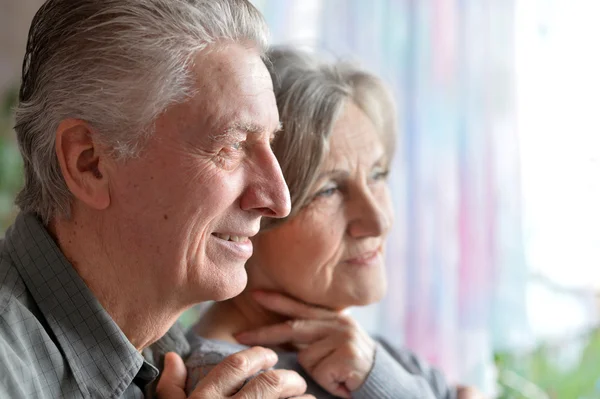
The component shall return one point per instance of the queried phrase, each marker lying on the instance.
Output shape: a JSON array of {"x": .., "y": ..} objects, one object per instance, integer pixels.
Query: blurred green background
[{"x": 10, "y": 160}]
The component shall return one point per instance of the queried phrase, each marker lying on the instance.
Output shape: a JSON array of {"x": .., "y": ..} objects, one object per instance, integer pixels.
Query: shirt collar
[{"x": 100, "y": 356}]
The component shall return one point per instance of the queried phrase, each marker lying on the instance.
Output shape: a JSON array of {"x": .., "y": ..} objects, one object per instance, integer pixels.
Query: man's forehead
[
  {"x": 233, "y": 92},
  {"x": 222, "y": 80},
  {"x": 221, "y": 118},
  {"x": 230, "y": 65}
]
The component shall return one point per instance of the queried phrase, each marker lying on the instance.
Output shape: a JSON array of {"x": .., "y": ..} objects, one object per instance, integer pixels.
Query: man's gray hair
[
  {"x": 116, "y": 64},
  {"x": 311, "y": 95}
]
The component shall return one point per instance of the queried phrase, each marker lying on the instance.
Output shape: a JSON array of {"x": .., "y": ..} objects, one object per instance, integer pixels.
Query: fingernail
[{"x": 273, "y": 356}]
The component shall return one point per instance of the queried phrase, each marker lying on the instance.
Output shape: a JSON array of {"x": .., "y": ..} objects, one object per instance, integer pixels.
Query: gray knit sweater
[{"x": 395, "y": 373}]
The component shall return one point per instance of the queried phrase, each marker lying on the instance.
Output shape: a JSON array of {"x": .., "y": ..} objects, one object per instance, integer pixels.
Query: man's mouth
[{"x": 227, "y": 237}]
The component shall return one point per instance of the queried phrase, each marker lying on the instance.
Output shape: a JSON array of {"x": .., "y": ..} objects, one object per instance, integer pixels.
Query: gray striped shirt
[{"x": 56, "y": 340}]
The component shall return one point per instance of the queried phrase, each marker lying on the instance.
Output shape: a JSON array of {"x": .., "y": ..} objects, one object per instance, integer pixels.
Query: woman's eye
[
  {"x": 381, "y": 175},
  {"x": 327, "y": 192}
]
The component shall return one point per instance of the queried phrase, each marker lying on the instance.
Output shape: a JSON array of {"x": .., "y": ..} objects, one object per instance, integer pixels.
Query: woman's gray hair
[
  {"x": 311, "y": 95},
  {"x": 116, "y": 64}
]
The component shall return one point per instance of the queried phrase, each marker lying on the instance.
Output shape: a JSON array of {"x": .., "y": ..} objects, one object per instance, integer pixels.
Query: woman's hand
[
  {"x": 464, "y": 392},
  {"x": 332, "y": 347}
]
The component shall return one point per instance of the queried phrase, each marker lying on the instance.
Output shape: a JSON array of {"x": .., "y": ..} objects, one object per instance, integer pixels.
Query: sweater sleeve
[
  {"x": 400, "y": 374},
  {"x": 205, "y": 355}
]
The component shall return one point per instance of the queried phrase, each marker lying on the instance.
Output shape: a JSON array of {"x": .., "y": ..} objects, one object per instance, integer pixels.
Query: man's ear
[{"x": 82, "y": 163}]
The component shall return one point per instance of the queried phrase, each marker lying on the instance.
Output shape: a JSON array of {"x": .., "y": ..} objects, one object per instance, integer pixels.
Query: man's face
[{"x": 187, "y": 206}]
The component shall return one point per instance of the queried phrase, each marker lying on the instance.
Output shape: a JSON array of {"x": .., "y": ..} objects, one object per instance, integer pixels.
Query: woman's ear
[{"x": 82, "y": 163}]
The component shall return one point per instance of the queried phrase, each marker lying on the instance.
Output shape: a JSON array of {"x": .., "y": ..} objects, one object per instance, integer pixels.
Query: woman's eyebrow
[
  {"x": 381, "y": 161},
  {"x": 333, "y": 173}
]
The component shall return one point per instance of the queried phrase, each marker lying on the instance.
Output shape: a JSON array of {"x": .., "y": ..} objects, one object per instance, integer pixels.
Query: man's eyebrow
[
  {"x": 242, "y": 127},
  {"x": 249, "y": 127}
]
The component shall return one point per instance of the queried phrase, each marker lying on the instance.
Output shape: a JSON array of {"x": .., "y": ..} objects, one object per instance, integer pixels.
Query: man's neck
[{"x": 135, "y": 307}]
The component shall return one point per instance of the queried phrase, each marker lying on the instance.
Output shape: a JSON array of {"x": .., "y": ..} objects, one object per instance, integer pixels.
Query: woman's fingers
[
  {"x": 335, "y": 361},
  {"x": 332, "y": 376},
  {"x": 292, "y": 308},
  {"x": 333, "y": 349},
  {"x": 467, "y": 392},
  {"x": 312, "y": 355},
  {"x": 298, "y": 332}
]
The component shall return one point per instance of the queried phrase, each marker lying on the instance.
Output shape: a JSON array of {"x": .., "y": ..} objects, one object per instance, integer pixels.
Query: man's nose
[{"x": 268, "y": 192}]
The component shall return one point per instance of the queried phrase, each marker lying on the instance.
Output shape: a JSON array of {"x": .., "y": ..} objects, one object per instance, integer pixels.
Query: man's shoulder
[
  {"x": 12, "y": 287},
  {"x": 19, "y": 317},
  {"x": 27, "y": 349},
  {"x": 20, "y": 324}
]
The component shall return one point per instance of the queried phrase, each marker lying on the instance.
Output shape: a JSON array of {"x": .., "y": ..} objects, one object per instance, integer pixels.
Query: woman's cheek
[{"x": 384, "y": 198}]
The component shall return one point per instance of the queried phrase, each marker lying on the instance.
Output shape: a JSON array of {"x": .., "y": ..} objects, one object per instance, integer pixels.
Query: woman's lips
[{"x": 365, "y": 259}]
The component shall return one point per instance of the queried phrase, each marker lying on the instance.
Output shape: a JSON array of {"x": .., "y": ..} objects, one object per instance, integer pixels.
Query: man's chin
[
  {"x": 231, "y": 286},
  {"x": 217, "y": 278}
]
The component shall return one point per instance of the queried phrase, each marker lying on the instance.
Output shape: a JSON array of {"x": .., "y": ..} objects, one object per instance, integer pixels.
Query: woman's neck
[{"x": 223, "y": 320}]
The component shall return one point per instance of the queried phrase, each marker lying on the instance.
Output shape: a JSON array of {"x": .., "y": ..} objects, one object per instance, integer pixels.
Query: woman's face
[{"x": 331, "y": 253}]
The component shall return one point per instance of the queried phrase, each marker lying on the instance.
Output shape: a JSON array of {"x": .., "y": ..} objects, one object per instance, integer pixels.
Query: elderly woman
[{"x": 328, "y": 255}]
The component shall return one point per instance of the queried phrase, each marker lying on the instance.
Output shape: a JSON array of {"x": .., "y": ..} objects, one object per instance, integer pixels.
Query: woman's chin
[
  {"x": 367, "y": 301},
  {"x": 364, "y": 299},
  {"x": 369, "y": 297}
]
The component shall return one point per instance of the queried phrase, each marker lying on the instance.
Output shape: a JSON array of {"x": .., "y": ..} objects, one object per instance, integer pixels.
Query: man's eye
[{"x": 237, "y": 146}]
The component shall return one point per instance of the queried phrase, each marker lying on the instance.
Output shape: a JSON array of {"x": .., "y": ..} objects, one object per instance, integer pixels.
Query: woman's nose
[{"x": 371, "y": 216}]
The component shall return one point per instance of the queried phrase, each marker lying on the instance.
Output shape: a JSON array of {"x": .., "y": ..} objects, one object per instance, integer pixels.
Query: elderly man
[{"x": 145, "y": 130}]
